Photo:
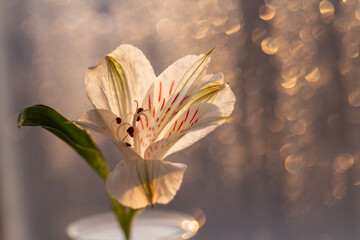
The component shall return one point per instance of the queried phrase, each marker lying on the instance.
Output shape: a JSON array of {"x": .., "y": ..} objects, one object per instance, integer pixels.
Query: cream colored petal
[
  {"x": 195, "y": 134},
  {"x": 102, "y": 121},
  {"x": 224, "y": 99},
  {"x": 170, "y": 93},
  {"x": 224, "y": 102},
  {"x": 212, "y": 85},
  {"x": 188, "y": 128},
  {"x": 119, "y": 79},
  {"x": 128, "y": 151},
  {"x": 209, "y": 107},
  {"x": 139, "y": 183},
  {"x": 213, "y": 90},
  {"x": 137, "y": 68}
]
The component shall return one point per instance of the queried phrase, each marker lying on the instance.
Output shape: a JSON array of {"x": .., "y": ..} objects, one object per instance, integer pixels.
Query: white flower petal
[
  {"x": 170, "y": 92},
  {"x": 139, "y": 183},
  {"x": 188, "y": 128},
  {"x": 211, "y": 89},
  {"x": 194, "y": 134},
  {"x": 224, "y": 100},
  {"x": 102, "y": 121},
  {"x": 137, "y": 67},
  {"x": 197, "y": 119},
  {"x": 122, "y": 77},
  {"x": 128, "y": 152}
]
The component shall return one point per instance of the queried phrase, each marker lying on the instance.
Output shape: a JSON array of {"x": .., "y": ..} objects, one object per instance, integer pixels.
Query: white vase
[{"x": 148, "y": 225}]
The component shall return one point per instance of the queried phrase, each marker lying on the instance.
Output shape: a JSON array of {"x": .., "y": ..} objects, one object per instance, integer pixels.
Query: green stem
[{"x": 125, "y": 217}]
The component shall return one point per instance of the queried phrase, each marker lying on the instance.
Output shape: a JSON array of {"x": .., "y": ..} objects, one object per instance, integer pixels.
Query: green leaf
[
  {"x": 47, "y": 118},
  {"x": 78, "y": 139}
]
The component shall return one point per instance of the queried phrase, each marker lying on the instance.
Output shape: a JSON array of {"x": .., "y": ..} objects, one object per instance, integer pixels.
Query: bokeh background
[{"x": 286, "y": 167}]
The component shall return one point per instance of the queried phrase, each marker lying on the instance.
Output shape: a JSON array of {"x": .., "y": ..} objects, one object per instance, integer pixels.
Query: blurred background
[{"x": 286, "y": 167}]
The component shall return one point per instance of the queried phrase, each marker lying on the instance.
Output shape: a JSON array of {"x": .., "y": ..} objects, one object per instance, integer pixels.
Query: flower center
[{"x": 131, "y": 127}]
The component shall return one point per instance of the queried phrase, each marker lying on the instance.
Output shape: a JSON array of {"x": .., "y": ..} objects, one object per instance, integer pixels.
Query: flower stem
[{"x": 125, "y": 217}]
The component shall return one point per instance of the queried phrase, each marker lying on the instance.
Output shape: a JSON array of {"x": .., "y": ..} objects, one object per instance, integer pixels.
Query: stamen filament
[
  {"x": 125, "y": 137},
  {"x": 142, "y": 114},
  {"x": 121, "y": 125},
  {"x": 136, "y": 135},
  {"x": 136, "y": 117}
]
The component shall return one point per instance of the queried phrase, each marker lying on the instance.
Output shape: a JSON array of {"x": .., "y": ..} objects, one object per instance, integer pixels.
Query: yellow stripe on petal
[
  {"x": 120, "y": 86},
  {"x": 206, "y": 94}
]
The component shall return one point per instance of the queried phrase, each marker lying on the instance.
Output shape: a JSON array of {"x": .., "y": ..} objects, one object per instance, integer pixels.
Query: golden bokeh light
[
  {"x": 266, "y": 13},
  {"x": 354, "y": 98},
  {"x": 357, "y": 13},
  {"x": 288, "y": 149},
  {"x": 165, "y": 27},
  {"x": 352, "y": 51},
  {"x": 293, "y": 163},
  {"x": 301, "y": 39},
  {"x": 313, "y": 74},
  {"x": 343, "y": 162},
  {"x": 299, "y": 127},
  {"x": 233, "y": 29},
  {"x": 269, "y": 46},
  {"x": 289, "y": 82},
  {"x": 201, "y": 29},
  {"x": 344, "y": 66},
  {"x": 326, "y": 10}
]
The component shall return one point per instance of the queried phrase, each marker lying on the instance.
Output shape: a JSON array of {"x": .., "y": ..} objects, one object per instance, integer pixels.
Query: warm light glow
[
  {"x": 354, "y": 98},
  {"x": 343, "y": 162},
  {"x": 327, "y": 11},
  {"x": 326, "y": 7},
  {"x": 313, "y": 74},
  {"x": 233, "y": 29},
  {"x": 191, "y": 227},
  {"x": 165, "y": 27},
  {"x": 269, "y": 46},
  {"x": 202, "y": 28},
  {"x": 293, "y": 64},
  {"x": 266, "y": 13},
  {"x": 293, "y": 163},
  {"x": 289, "y": 82}
]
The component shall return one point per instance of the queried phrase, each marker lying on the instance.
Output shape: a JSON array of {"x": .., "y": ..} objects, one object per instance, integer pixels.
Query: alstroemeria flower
[{"x": 150, "y": 117}]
